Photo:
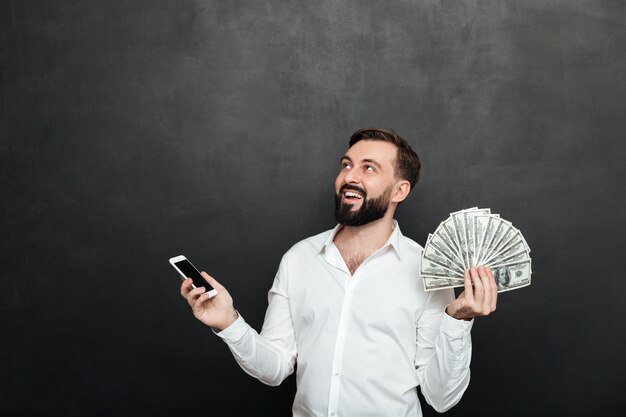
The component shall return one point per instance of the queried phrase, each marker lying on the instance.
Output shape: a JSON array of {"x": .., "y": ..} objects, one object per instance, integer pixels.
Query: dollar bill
[
  {"x": 487, "y": 226},
  {"x": 500, "y": 230},
  {"x": 441, "y": 248},
  {"x": 473, "y": 237},
  {"x": 510, "y": 277},
  {"x": 511, "y": 259},
  {"x": 442, "y": 241},
  {"x": 515, "y": 246},
  {"x": 436, "y": 283},
  {"x": 459, "y": 229},
  {"x": 433, "y": 269},
  {"x": 468, "y": 224},
  {"x": 448, "y": 229},
  {"x": 505, "y": 240}
]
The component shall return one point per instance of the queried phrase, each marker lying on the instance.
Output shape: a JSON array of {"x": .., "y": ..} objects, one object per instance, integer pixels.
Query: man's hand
[
  {"x": 479, "y": 297},
  {"x": 217, "y": 312}
]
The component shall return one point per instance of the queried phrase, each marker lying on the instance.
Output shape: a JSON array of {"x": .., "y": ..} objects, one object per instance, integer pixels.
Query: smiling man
[{"x": 348, "y": 306}]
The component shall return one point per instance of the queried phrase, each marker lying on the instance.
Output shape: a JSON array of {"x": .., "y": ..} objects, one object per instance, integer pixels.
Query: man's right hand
[{"x": 217, "y": 312}]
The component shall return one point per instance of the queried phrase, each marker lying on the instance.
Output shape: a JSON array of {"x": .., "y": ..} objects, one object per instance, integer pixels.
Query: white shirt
[{"x": 362, "y": 342}]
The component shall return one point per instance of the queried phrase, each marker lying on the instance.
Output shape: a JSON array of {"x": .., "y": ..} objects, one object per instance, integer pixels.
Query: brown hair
[{"x": 407, "y": 164}]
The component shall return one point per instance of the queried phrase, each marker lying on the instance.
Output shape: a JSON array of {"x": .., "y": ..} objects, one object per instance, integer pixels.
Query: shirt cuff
[
  {"x": 234, "y": 332},
  {"x": 455, "y": 328}
]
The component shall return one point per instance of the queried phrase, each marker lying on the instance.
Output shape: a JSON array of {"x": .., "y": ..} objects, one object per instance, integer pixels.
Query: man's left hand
[{"x": 479, "y": 297}]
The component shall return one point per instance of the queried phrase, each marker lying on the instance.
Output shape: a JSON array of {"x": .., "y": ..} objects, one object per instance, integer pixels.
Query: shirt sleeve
[
  {"x": 271, "y": 355},
  {"x": 444, "y": 353}
]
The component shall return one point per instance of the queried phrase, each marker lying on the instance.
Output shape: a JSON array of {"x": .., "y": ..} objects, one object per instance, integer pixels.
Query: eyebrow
[{"x": 369, "y": 161}]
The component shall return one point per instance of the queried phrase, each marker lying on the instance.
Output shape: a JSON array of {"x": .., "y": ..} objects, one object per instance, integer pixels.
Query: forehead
[{"x": 382, "y": 152}]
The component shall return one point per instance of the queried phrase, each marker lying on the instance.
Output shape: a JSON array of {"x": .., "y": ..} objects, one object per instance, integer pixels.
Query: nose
[{"x": 352, "y": 176}]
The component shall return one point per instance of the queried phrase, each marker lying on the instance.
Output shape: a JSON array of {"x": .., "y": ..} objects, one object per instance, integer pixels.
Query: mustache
[{"x": 347, "y": 187}]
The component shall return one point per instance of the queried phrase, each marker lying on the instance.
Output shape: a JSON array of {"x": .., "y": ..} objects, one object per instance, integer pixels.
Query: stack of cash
[{"x": 474, "y": 237}]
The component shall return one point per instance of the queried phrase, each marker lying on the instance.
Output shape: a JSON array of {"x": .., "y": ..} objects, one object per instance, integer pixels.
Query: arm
[
  {"x": 269, "y": 356},
  {"x": 444, "y": 344}
]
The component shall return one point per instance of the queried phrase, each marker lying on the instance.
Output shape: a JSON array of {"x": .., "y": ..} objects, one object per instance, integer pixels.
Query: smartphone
[{"x": 187, "y": 270}]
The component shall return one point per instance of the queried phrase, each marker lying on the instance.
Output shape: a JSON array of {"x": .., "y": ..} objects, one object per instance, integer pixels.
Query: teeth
[{"x": 352, "y": 194}]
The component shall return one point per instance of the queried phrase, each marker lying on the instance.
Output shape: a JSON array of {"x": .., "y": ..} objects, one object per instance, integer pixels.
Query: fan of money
[{"x": 474, "y": 237}]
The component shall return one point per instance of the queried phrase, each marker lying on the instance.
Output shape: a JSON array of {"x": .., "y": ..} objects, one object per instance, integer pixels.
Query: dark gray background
[{"x": 133, "y": 131}]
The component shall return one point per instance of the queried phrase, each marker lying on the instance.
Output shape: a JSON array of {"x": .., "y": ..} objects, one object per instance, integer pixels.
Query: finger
[
  {"x": 212, "y": 281},
  {"x": 485, "y": 307},
  {"x": 198, "y": 303},
  {"x": 194, "y": 294},
  {"x": 185, "y": 287},
  {"x": 479, "y": 290},
  {"x": 494, "y": 299}
]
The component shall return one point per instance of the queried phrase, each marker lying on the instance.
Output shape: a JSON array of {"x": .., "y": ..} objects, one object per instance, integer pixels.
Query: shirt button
[
  {"x": 332, "y": 413},
  {"x": 336, "y": 374}
]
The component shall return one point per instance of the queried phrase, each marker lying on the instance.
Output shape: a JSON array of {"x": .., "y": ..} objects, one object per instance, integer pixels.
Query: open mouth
[{"x": 352, "y": 196}]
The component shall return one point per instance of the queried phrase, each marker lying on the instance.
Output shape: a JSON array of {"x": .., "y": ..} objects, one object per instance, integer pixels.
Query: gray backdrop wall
[{"x": 135, "y": 131}]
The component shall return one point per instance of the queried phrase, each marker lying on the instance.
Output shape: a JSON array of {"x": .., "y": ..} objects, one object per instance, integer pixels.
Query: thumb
[{"x": 212, "y": 281}]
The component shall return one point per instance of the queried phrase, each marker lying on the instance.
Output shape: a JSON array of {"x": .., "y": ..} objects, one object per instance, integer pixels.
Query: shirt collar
[{"x": 396, "y": 240}]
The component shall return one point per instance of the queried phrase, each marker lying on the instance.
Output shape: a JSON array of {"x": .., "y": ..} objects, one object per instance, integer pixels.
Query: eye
[
  {"x": 345, "y": 165},
  {"x": 370, "y": 168}
]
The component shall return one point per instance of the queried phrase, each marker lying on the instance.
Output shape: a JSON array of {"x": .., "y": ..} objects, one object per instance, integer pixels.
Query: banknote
[
  {"x": 473, "y": 237},
  {"x": 437, "y": 248},
  {"x": 434, "y": 269},
  {"x": 436, "y": 283},
  {"x": 510, "y": 277}
]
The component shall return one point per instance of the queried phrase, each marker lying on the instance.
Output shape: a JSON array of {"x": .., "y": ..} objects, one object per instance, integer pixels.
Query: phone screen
[{"x": 190, "y": 271}]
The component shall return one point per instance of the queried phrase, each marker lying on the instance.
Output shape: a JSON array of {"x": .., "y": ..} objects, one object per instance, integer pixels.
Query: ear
[{"x": 402, "y": 189}]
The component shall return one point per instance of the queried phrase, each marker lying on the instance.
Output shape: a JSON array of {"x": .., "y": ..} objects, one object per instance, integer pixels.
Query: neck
[{"x": 369, "y": 237}]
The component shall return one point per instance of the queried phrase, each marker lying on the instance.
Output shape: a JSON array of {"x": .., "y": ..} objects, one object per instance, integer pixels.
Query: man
[{"x": 348, "y": 305}]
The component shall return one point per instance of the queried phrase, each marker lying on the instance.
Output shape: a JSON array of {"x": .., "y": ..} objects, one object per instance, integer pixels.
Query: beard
[{"x": 371, "y": 209}]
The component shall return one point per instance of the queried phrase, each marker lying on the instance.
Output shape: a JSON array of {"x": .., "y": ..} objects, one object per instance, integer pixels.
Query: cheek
[{"x": 338, "y": 182}]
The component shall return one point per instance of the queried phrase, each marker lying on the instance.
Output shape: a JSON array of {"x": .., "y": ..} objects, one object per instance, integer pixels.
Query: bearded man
[{"x": 348, "y": 305}]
